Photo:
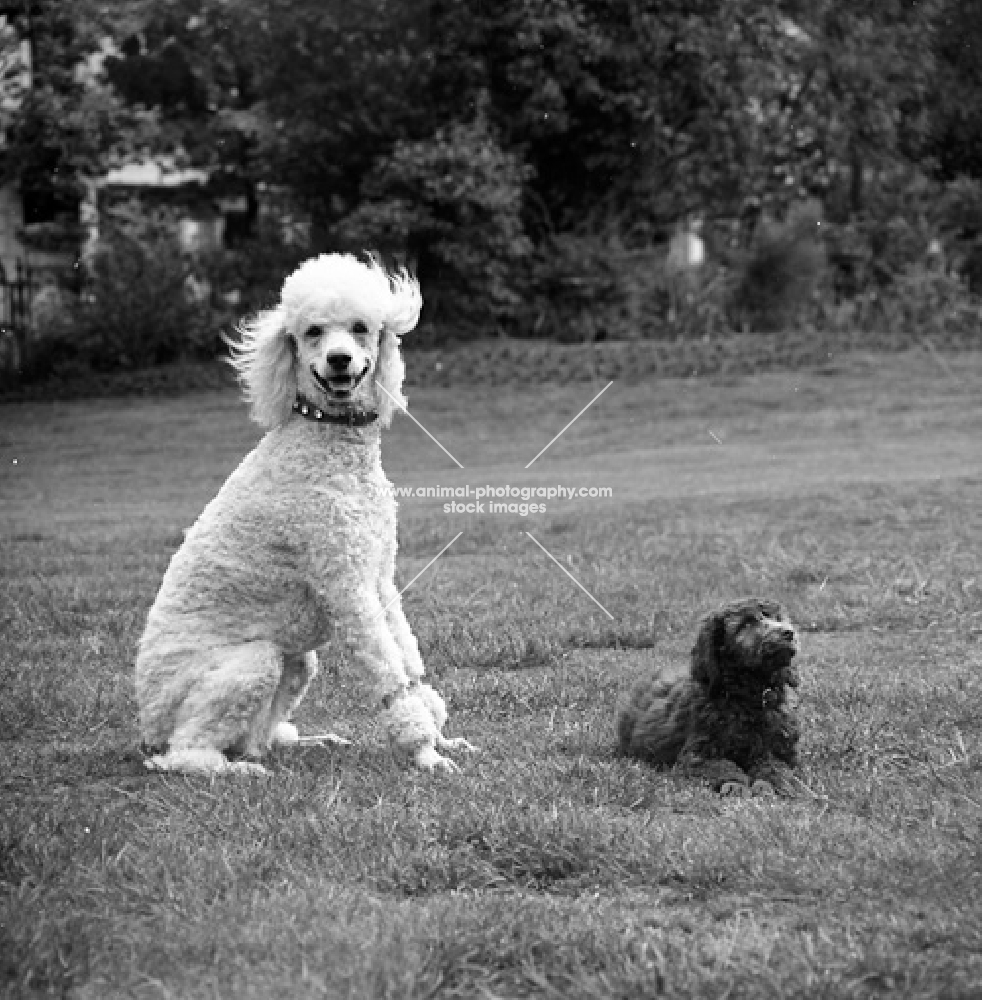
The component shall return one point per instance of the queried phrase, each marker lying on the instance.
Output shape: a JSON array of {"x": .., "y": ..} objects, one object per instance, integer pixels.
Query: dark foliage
[
  {"x": 531, "y": 158},
  {"x": 777, "y": 276},
  {"x": 138, "y": 308}
]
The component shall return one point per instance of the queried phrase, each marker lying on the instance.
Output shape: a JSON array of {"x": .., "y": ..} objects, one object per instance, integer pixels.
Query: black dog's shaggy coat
[{"x": 728, "y": 719}]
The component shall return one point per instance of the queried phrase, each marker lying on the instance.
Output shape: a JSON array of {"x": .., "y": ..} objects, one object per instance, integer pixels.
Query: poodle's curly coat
[
  {"x": 728, "y": 718},
  {"x": 299, "y": 546}
]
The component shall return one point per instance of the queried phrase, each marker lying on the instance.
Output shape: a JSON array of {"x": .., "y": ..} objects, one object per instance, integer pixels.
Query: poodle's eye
[
  {"x": 313, "y": 332},
  {"x": 359, "y": 327}
]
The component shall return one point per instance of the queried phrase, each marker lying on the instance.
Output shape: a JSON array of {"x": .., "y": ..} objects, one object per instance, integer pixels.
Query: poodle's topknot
[
  {"x": 330, "y": 286},
  {"x": 336, "y": 282}
]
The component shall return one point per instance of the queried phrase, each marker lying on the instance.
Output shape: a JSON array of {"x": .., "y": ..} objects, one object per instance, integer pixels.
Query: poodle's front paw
[
  {"x": 733, "y": 788},
  {"x": 762, "y": 787},
  {"x": 457, "y": 743},
  {"x": 427, "y": 759}
]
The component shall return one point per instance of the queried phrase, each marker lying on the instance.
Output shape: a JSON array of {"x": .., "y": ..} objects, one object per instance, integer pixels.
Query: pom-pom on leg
[{"x": 413, "y": 722}]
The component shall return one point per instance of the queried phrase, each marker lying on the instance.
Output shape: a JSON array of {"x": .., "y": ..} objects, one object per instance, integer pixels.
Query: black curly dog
[{"x": 728, "y": 720}]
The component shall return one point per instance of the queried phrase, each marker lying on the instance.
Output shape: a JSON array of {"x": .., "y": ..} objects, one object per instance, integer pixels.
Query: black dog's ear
[{"x": 707, "y": 650}]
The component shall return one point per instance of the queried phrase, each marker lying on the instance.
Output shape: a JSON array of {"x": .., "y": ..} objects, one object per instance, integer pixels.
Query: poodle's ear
[
  {"x": 405, "y": 303},
  {"x": 265, "y": 359},
  {"x": 389, "y": 373},
  {"x": 707, "y": 650}
]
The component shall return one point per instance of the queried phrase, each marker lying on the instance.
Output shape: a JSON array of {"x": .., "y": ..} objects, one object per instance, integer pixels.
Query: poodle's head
[
  {"x": 745, "y": 646},
  {"x": 332, "y": 340}
]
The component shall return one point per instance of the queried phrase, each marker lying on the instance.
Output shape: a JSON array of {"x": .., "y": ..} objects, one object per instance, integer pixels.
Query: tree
[
  {"x": 460, "y": 132},
  {"x": 873, "y": 71},
  {"x": 65, "y": 128},
  {"x": 452, "y": 203},
  {"x": 957, "y": 109}
]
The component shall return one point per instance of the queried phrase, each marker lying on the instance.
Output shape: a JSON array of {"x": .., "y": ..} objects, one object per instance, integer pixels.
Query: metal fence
[{"x": 16, "y": 298}]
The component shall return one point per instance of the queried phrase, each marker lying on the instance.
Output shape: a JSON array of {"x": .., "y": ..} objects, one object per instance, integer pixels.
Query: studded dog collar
[{"x": 350, "y": 418}]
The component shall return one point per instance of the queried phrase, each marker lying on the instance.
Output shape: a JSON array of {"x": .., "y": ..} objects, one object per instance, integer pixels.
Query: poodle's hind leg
[
  {"x": 299, "y": 669},
  {"x": 226, "y": 711}
]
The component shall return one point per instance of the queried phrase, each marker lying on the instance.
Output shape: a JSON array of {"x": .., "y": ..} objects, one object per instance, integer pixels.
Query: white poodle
[{"x": 299, "y": 545}]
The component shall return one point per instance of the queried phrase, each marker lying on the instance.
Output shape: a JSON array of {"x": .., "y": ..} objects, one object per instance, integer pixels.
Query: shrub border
[{"x": 528, "y": 362}]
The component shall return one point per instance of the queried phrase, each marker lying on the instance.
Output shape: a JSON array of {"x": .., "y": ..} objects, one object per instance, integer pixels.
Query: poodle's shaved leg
[
  {"x": 228, "y": 708},
  {"x": 319, "y": 739},
  {"x": 455, "y": 743},
  {"x": 299, "y": 669}
]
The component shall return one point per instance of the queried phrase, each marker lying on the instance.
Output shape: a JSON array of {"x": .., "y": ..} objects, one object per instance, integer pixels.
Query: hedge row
[{"x": 527, "y": 362}]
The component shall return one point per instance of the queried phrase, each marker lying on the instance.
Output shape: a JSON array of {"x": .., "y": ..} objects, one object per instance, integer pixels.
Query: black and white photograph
[{"x": 490, "y": 499}]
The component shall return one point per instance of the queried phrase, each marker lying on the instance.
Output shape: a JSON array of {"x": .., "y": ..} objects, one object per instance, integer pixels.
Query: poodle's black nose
[{"x": 339, "y": 361}]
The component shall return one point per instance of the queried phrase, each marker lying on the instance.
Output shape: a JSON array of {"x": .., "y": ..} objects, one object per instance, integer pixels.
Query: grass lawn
[{"x": 550, "y": 867}]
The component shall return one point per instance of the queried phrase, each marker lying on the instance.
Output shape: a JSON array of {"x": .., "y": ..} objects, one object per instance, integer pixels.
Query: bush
[
  {"x": 137, "y": 310},
  {"x": 959, "y": 211},
  {"x": 922, "y": 300},
  {"x": 140, "y": 306},
  {"x": 250, "y": 277},
  {"x": 452, "y": 204},
  {"x": 583, "y": 289},
  {"x": 960, "y": 222},
  {"x": 776, "y": 278},
  {"x": 586, "y": 288}
]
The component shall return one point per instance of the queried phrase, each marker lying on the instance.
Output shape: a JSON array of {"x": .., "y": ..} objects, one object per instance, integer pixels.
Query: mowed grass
[{"x": 550, "y": 866}]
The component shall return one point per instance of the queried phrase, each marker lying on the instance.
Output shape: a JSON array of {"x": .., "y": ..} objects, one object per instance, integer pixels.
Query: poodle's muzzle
[{"x": 338, "y": 381}]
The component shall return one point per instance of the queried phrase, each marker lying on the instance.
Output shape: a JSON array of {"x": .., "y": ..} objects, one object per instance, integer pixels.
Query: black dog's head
[{"x": 746, "y": 647}]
